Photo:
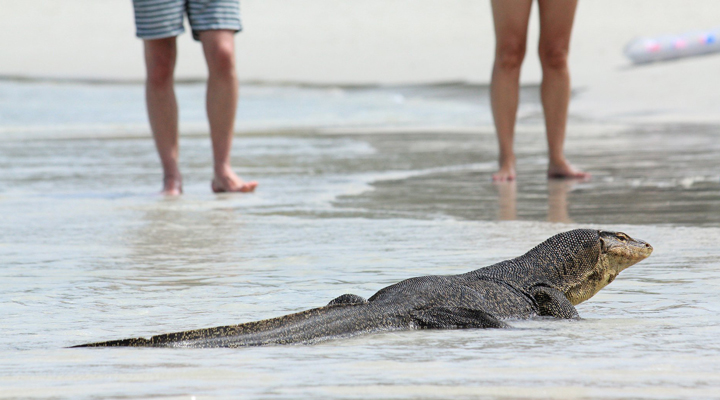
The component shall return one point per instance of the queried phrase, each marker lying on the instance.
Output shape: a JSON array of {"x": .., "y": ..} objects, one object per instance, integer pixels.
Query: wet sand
[{"x": 654, "y": 175}]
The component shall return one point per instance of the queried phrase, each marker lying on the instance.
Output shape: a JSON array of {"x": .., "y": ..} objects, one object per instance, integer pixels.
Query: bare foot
[
  {"x": 228, "y": 181},
  {"x": 564, "y": 170},
  {"x": 506, "y": 173},
  {"x": 172, "y": 186}
]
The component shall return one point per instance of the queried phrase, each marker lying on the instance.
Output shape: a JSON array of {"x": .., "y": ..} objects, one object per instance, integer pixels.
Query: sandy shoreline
[{"x": 43, "y": 110}]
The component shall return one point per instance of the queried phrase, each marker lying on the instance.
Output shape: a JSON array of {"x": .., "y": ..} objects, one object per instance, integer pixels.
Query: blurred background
[{"x": 387, "y": 42}]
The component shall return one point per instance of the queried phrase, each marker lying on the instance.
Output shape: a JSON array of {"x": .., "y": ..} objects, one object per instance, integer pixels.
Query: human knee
[
  {"x": 160, "y": 72},
  {"x": 160, "y": 57},
  {"x": 510, "y": 54},
  {"x": 553, "y": 57},
  {"x": 221, "y": 60}
]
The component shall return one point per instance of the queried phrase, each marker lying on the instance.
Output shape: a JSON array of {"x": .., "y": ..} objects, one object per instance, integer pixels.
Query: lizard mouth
[{"x": 630, "y": 253}]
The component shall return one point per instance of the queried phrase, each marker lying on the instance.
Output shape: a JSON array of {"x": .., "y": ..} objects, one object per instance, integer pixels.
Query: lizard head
[{"x": 611, "y": 253}]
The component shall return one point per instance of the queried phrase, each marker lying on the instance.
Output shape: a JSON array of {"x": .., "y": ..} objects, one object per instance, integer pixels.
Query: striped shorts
[{"x": 157, "y": 19}]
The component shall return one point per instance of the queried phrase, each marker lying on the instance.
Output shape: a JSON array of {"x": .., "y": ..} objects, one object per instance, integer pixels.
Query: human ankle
[
  {"x": 172, "y": 177},
  {"x": 558, "y": 161},
  {"x": 222, "y": 169},
  {"x": 507, "y": 161}
]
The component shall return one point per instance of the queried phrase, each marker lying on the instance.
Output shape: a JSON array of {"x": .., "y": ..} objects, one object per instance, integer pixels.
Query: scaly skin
[{"x": 548, "y": 280}]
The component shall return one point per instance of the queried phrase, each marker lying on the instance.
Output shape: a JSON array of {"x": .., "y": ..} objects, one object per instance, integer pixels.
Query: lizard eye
[{"x": 623, "y": 237}]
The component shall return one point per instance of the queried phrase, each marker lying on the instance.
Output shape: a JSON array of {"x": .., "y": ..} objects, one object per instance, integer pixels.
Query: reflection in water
[
  {"x": 557, "y": 201},
  {"x": 183, "y": 238},
  {"x": 507, "y": 200}
]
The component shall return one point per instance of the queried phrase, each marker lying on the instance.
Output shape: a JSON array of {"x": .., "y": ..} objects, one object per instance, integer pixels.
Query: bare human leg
[
  {"x": 511, "y": 22},
  {"x": 160, "y": 55},
  {"x": 556, "y": 20},
  {"x": 222, "y": 100}
]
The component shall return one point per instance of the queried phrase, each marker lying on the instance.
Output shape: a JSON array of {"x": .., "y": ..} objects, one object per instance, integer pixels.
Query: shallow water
[{"x": 91, "y": 253}]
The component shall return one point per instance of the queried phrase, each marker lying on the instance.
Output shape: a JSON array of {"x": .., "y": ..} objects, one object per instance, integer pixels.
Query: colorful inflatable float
[{"x": 669, "y": 47}]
